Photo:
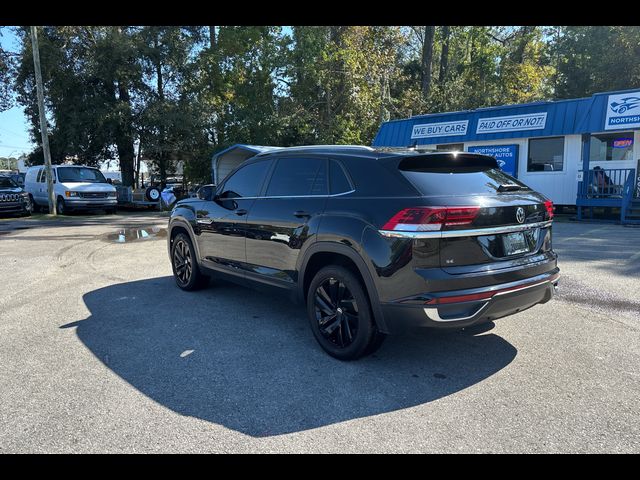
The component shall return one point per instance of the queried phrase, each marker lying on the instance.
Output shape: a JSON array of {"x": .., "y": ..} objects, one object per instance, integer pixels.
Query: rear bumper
[{"x": 498, "y": 301}]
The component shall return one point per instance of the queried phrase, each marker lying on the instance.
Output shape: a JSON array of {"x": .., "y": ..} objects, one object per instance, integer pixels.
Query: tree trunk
[
  {"x": 124, "y": 137},
  {"x": 523, "y": 41},
  {"x": 444, "y": 55},
  {"x": 427, "y": 57}
]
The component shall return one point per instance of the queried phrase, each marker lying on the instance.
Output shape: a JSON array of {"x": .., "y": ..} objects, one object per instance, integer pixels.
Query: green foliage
[{"x": 596, "y": 58}]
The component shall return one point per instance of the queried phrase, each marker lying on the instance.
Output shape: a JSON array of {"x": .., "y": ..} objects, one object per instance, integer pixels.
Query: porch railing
[{"x": 605, "y": 182}]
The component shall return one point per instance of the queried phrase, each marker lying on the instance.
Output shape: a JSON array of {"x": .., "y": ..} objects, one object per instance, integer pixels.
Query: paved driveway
[{"x": 100, "y": 352}]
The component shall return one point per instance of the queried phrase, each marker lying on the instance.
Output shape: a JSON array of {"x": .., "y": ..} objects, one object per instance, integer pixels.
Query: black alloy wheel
[
  {"x": 185, "y": 267},
  {"x": 336, "y": 312},
  {"x": 340, "y": 314}
]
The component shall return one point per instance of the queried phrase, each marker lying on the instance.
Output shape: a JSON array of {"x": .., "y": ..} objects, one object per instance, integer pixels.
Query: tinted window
[
  {"x": 339, "y": 181},
  {"x": 80, "y": 174},
  {"x": 247, "y": 181},
  {"x": 298, "y": 176},
  {"x": 7, "y": 182},
  {"x": 462, "y": 181},
  {"x": 546, "y": 154}
]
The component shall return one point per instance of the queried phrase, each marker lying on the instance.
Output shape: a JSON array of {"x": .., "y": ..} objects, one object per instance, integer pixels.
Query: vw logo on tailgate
[{"x": 520, "y": 215}]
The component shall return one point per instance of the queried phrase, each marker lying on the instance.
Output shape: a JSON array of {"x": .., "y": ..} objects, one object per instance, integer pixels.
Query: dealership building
[{"x": 554, "y": 147}]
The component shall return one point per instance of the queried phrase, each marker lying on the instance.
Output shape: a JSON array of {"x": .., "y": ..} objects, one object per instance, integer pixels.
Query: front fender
[{"x": 184, "y": 216}]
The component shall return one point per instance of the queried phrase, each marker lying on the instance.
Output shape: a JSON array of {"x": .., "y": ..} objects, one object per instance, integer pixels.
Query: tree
[
  {"x": 427, "y": 59},
  {"x": 6, "y": 94},
  {"x": 596, "y": 58},
  {"x": 90, "y": 74}
]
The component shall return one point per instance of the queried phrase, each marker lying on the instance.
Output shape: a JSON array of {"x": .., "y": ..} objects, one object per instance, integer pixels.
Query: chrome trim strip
[
  {"x": 205, "y": 221},
  {"x": 291, "y": 196},
  {"x": 476, "y": 232},
  {"x": 525, "y": 287},
  {"x": 434, "y": 315}
]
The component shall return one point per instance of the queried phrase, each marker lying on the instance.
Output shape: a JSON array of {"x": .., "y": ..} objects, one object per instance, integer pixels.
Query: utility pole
[{"x": 43, "y": 121}]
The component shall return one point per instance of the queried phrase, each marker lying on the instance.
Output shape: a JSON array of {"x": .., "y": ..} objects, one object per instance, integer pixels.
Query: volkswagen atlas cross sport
[{"x": 372, "y": 240}]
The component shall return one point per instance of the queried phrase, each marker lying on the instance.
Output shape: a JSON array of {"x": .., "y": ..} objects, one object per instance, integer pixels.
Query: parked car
[
  {"x": 13, "y": 199},
  {"x": 75, "y": 188},
  {"x": 372, "y": 240}
]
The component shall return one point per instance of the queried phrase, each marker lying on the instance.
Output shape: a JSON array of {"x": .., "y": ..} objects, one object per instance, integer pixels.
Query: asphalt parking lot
[{"x": 100, "y": 352}]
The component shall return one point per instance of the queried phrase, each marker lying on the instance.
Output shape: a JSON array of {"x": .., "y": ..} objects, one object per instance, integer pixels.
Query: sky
[{"x": 14, "y": 131}]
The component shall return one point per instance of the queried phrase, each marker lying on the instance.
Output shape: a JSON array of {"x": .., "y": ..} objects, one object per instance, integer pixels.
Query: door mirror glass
[{"x": 206, "y": 192}]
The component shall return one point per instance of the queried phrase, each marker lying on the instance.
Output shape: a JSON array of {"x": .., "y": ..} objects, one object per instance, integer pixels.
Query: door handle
[
  {"x": 241, "y": 212},
  {"x": 300, "y": 214}
]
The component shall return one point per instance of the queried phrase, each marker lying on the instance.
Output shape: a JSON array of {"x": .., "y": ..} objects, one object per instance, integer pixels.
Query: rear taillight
[
  {"x": 420, "y": 219},
  {"x": 549, "y": 206}
]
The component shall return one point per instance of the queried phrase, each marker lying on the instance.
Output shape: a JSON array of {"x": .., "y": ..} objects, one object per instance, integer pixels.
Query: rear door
[
  {"x": 286, "y": 217},
  {"x": 41, "y": 190}
]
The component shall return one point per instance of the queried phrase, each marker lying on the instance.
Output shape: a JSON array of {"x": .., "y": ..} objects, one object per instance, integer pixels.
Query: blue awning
[{"x": 538, "y": 119}]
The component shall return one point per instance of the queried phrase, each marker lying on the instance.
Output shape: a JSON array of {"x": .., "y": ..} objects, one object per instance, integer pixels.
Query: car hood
[{"x": 88, "y": 187}]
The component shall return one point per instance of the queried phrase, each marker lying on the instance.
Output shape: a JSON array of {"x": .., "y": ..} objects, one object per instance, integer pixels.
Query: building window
[
  {"x": 611, "y": 146},
  {"x": 450, "y": 147},
  {"x": 546, "y": 154}
]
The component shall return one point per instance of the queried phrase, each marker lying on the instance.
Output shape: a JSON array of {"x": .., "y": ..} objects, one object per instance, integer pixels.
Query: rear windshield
[
  {"x": 80, "y": 174},
  {"x": 459, "y": 180}
]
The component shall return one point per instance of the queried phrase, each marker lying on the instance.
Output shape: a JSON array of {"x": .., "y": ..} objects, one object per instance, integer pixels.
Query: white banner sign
[
  {"x": 623, "y": 111},
  {"x": 529, "y": 121},
  {"x": 442, "y": 129}
]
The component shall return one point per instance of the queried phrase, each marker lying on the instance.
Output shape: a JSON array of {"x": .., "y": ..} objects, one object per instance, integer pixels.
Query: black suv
[
  {"x": 13, "y": 199},
  {"x": 372, "y": 240}
]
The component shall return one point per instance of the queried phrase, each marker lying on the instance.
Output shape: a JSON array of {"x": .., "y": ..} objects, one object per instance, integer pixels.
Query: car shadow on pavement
[{"x": 248, "y": 361}]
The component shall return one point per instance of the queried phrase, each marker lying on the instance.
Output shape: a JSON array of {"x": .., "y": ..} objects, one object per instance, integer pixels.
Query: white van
[{"x": 74, "y": 187}]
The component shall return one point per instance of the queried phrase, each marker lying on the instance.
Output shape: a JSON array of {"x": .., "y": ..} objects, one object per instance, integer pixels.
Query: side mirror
[{"x": 206, "y": 193}]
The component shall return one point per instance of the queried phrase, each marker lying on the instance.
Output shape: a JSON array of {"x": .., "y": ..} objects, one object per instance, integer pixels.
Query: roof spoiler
[{"x": 447, "y": 160}]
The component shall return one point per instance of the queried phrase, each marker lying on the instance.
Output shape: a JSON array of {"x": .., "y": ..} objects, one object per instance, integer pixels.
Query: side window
[
  {"x": 546, "y": 154},
  {"x": 298, "y": 177},
  {"x": 42, "y": 175},
  {"x": 247, "y": 181},
  {"x": 338, "y": 179}
]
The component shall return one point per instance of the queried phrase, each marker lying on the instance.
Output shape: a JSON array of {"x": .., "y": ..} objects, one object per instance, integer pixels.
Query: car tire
[
  {"x": 152, "y": 194},
  {"x": 340, "y": 314},
  {"x": 61, "y": 207},
  {"x": 186, "y": 271},
  {"x": 35, "y": 208}
]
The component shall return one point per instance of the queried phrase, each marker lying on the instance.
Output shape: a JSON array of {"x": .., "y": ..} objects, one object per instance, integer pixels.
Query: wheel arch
[
  {"x": 181, "y": 225},
  {"x": 317, "y": 256}
]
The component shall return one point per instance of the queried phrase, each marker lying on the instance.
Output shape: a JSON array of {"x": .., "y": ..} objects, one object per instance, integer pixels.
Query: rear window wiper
[{"x": 511, "y": 187}]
